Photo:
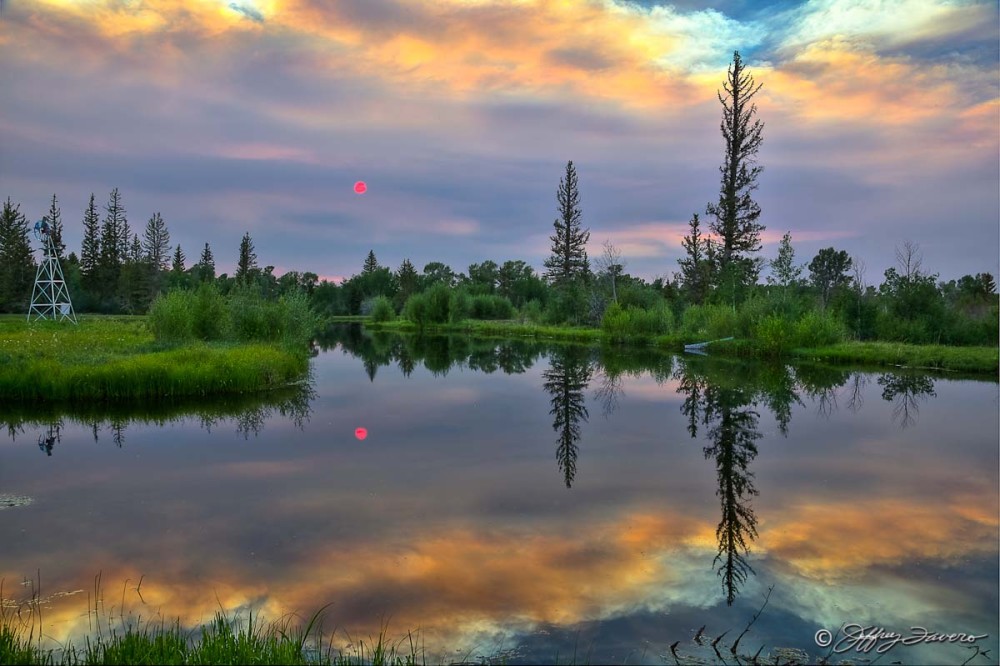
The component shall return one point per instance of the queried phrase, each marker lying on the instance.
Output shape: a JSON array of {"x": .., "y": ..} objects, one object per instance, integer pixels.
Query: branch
[{"x": 752, "y": 620}]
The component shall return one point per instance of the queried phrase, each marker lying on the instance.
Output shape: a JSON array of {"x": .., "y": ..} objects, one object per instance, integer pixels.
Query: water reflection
[
  {"x": 569, "y": 373},
  {"x": 707, "y": 481},
  {"x": 437, "y": 353},
  {"x": 248, "y": 413}
]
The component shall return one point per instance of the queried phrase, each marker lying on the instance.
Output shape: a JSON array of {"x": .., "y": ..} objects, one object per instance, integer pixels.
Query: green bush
[
  {"x": 816, "y": 329},
  {"x": 438, "y": 304},
  {"x": 532, "y": 312},
  {"x": 209, "y": 313},
  {"x": 491, "y": 307},
  {"x": 415, "y": 309},
  {"x": 709, "y": 322},
  {"x": 615, "y": 322},
  {"x": 459, "y": 306},
  {"x": 773, "y": 335},
  {"x": 300, "y": 322},
  {"x": 170, "y": 317},
  {"x": 248, "y": 318},
  {"x": 382, "y": 310}
]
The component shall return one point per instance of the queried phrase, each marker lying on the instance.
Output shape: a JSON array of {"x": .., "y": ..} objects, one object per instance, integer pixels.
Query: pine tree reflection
[
  {"x": 569, "y": 373},
  {"x": 724, "y": 403}
]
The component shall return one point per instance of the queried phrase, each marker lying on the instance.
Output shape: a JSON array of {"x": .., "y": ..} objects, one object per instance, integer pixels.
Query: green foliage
[
  {"x": 568, "y": 305},
  {"x": 708, "y": 322},
  {"x": 438, "y": 304},
  {"x": 828, "y": 272},
  {"x": 621, "y": 324},
  {"x": 120, "y": 359},
  {"x": 382, "y": 310},
  {"x": 532, "y": 311},
  {"x": 17, "y": 263},
  {"x": 459, "y": 305},
  {"x": 415, "y": 310},
  {"x": 171, "y": 317},
  {"x": 491, "y": 307}
]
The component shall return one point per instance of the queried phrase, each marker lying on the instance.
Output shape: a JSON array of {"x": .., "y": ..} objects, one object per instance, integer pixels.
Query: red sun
[
  {"x": 360, "y": 187},
  {"x": 361, "y": 433}
]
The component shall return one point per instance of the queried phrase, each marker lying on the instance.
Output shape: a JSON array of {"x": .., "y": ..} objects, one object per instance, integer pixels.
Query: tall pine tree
[
  {"x": 90, "y": 253},
  {"x": 247, "y": 265},
  {"x": 17, "y": 262},
  {"x": 371, "y": 264},
  {"x": 177, "y": 264},
  {"x": 736, "y": 213},
  {"x": 568, "y": 263},
  {"x": 156, "y": 243},
  {"x": 54, "y": 220},
  {"x": 206, "y": 265},
  {"x": 114, "y": 246}
]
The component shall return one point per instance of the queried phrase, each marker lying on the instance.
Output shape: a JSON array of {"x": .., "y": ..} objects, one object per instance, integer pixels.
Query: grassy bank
[
  {"x": 938, "y": 357},
  {"x": 118, "y": 358},
  {"x": 985, "y": 360}
]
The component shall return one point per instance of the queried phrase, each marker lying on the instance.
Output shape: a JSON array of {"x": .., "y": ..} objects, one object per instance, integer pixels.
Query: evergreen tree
[
  {"x": 371, "y": 265},
  {"x": 568, "y": 263},
  {"x": 54, "y": 220},
  {"x": 17, "y": 262},
  {"x": 696, "y": 269},
  {"x": 90, "y": 254},
  {"x": 206, "y": 265},
  {"x": 177, "y": 265},
  {"x": 409, "y": 282},
  {"x": 135, "y": 250},
  {"x": 736, "y": 213},
  {"x": 156, "y": 243},
  {"x": 247, "y": 264},
  {"x": 114, "y": 246}
]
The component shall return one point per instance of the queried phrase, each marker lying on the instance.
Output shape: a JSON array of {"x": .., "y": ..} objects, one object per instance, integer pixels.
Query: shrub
[
  {"x": 299, "y": 319},
  {"x": 438, "y": 304},
  {"x": 491, "y": 307},
  {"x": 170, "y": 317},
  {"x": 709, "y": 322},
  {"x": 615, "y": 322},
  {"x": 817, "y": 329},
  {"x": 415, "y": 309},
  {"x": 532, "y": 311},
  {"x": 247, "y": 317},
  {"x": 459, "y": 306},
  {"x": 209, "y": 313},
  {"x": 382, "y": 309}
]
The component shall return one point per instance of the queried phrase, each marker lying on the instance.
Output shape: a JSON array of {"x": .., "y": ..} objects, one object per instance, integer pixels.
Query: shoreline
[{"x": 978, "y": 360}]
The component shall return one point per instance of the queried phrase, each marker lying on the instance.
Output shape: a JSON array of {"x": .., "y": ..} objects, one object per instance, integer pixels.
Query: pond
[{"x": 518, "y": 502}]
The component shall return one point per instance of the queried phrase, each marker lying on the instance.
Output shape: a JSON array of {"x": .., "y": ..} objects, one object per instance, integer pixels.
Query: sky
[{"x": 881, "y": 125}]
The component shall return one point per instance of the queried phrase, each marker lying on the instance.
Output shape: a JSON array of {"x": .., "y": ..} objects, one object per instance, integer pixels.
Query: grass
[
  {"x": 937, "y": 357},
  {"x": 117, "y": 358}
]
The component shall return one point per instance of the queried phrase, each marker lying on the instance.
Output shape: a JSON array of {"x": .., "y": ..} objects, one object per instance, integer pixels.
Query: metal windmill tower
[{"x": 50, "y": 297}]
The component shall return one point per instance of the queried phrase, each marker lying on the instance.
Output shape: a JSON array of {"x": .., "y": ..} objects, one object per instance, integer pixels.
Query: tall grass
[
  {"x": 242, "y": 316},
  {"x": 119, "y": 358}
]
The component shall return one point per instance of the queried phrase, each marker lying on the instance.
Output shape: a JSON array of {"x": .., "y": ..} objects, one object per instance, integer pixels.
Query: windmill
[{"x": 50, "y": 297}]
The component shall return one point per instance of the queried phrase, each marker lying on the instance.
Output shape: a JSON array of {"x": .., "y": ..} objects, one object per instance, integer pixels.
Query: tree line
[{"x": 119, "y": 271}]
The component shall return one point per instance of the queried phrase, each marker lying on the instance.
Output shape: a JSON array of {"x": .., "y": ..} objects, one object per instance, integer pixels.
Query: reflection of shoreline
[{"x": 248, "y": 411}]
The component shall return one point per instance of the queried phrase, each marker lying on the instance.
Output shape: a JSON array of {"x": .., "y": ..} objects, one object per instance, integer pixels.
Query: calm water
[{"x": 527, "y": 503}]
